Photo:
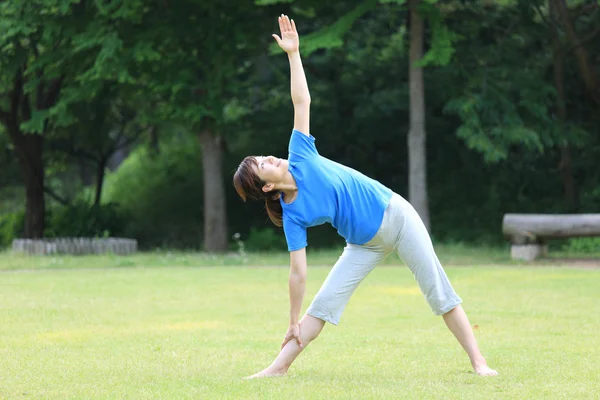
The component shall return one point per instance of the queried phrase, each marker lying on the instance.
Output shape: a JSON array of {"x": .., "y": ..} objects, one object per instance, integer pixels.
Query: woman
[{"x": 309, "y": 190}]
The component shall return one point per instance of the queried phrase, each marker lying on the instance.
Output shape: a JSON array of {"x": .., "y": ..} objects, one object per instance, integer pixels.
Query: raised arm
[{"x": 290, "y": 43}]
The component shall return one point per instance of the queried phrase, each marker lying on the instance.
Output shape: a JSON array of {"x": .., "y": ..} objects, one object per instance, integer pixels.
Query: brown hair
[{"x": 249, "y": 185}]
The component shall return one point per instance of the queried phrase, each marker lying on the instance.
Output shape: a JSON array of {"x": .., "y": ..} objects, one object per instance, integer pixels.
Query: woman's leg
[
  {"x": 355, "y": 263},
  {"x": 310, "y": 327},
  {"x": 459, "y": 325},
  {"x": 415, "y": 248}
]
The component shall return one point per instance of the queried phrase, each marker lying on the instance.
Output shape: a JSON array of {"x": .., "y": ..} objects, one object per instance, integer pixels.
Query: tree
[
  {"x": 105, "y": 124},
  {"x": 417, "y": 135},
  {"x": 198, "y": 55},
  {"x": 31, "y": 80},
  {"x": 587, "y": 72},
  {"x": 54, "y": 53}
]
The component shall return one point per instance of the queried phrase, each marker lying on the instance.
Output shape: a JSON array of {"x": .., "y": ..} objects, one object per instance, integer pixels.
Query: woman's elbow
[{"x": 302, "y": 101}]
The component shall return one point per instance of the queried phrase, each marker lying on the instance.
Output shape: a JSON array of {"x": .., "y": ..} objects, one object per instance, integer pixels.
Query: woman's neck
[{"x": 289, "y": 188}]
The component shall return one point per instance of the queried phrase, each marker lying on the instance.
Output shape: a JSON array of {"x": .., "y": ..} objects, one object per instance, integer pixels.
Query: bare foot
[
  {"x": 266, "y": 373},
  {"x": 484, "y": 370}
]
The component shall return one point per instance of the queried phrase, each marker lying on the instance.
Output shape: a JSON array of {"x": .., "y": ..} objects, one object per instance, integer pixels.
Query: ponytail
[{"x": 274, "y": 209}]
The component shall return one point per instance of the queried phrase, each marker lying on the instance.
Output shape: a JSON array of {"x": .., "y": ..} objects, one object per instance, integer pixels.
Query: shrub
[
  {"x": 86, "y": 220},
  {"x": 162, "y": 194},
  {"x": 11, "y": 226},
  {"x": 588, "y": 245}
]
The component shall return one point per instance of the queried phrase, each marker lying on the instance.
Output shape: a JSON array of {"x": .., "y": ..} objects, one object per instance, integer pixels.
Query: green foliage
[
  {"x": 161, "y": 193},
  {"x": 442, "y": 38},
  {"x": 11, "y": 227},
  {"x": 331, "y": 36},
  {"x": 586, "y": 245},
  {"x": 506, "y": 98},
  {"x": 491, "y": 124},
  {"x": 264, "y": 239},
  {"x": 80, "y": 219},
  {"x": 83, "y": 219},
  {"x": 271, "y": 2}
]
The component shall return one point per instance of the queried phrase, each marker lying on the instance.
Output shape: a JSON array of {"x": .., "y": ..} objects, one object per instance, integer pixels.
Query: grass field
[{"x": 175, "y": 326}]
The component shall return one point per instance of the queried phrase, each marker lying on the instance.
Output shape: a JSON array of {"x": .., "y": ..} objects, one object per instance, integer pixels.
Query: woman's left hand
[{"x": 292, "y": 333}]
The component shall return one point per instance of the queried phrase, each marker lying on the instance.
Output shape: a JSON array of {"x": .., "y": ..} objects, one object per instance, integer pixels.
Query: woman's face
[{"x": 271, "y": 169}]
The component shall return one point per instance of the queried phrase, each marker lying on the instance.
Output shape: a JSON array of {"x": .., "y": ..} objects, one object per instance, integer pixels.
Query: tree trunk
[
  {"x": 215, "y": 212},
  {"x": 417, "y": 156},
  {"x": 85, "y": 172},
  {"x": 154, "y": 141},
  {"x": 571, "y": 198},
  {"x": 30, "y": 146},
  {"x": 586, "y": 70},
  {"x": 30, "y": 151},
  {"x": 100, "y": 173}
]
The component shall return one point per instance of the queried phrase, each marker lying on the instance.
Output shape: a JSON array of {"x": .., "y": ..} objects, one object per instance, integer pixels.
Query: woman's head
[{"x": 258, "y": 178}]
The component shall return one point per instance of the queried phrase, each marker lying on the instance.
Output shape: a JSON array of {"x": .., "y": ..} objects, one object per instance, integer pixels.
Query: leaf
[
  {"x": 442, "y": 40},
  {"x": 331, "y": 36},
  {"x": 37, "y": 122},
  {"x": 270, "y": 2}
]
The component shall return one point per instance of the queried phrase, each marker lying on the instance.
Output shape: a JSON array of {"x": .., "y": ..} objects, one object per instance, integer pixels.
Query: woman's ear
[{"x": 268, "y": 187}]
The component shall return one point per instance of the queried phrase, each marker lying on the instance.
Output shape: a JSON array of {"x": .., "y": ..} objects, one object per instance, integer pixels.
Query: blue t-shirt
[{"x": 351, "y": 202}]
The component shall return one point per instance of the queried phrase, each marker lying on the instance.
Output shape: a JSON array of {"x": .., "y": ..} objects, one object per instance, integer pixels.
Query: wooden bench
[{"x": 528, "y": 233}]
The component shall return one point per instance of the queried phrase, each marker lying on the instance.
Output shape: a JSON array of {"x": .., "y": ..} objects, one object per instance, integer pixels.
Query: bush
[
  {"x": 161, "y": 194},
  {"x": 78, "y": 220},
  {"x": 587, "y": 245},
  {"x": 265, "y": 239},
  {"x": 86, "y": 220},
  {"x": 12, "y": 226}
]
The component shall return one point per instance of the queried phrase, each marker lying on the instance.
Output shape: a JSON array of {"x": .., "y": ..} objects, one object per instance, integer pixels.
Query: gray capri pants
[{"x": 403, "y": 231}]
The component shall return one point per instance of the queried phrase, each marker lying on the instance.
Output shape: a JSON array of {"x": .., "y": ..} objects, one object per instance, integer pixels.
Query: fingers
[
  {"x": 294, "y": 26},
  {"x": 277, "y": 39},
  {"x": 299, "y": 341},
  {"x": 285, "y": 25}
]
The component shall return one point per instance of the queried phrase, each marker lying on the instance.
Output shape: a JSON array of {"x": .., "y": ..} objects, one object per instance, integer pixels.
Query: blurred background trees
[{"x": 129, "y": 117}]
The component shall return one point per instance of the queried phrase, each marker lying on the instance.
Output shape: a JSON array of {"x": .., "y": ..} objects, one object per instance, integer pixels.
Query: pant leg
[
  {"x": 414, "y": 247},
  {"x": 355, "y": 263}
]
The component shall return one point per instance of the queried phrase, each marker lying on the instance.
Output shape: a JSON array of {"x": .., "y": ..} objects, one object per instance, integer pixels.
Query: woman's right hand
[
  {"x": 293, "y": 333},
  {"x": 289, "y": 40}
]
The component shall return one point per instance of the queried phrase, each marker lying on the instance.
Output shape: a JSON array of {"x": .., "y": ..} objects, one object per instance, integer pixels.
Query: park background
[{"x": 127, "y": 118}]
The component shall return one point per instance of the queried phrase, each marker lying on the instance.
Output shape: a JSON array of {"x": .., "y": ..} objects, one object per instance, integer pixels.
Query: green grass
[
  {"x": 449, "y": 255},
  {"x": 179, "y": 332}
]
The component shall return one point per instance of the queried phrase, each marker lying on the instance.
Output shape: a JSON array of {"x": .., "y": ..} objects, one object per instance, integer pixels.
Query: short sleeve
[
  {"x": 301, "y": 147},
  {"x": 295, "y": 235}
]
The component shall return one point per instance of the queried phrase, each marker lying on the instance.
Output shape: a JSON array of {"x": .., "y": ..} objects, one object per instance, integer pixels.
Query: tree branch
[
  {"x": 16, "y": 93},
  {"x": 589, "y": 37},
  {"x": 583, "y": 8},
  {"x": 53, "y": 92},
  {"x": 55, "y": 196},
  {"x": 587, "y": 73},
  {"x": 5, "y": 117},
  {"x": 25, "y": 108}
]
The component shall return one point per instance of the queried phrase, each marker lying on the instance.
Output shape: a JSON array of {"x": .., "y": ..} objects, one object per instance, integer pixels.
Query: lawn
[{"x": 147, "y": 328}]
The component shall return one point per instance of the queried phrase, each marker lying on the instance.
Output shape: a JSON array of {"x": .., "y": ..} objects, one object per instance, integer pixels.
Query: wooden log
[{"x": 540, "y": 226}]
